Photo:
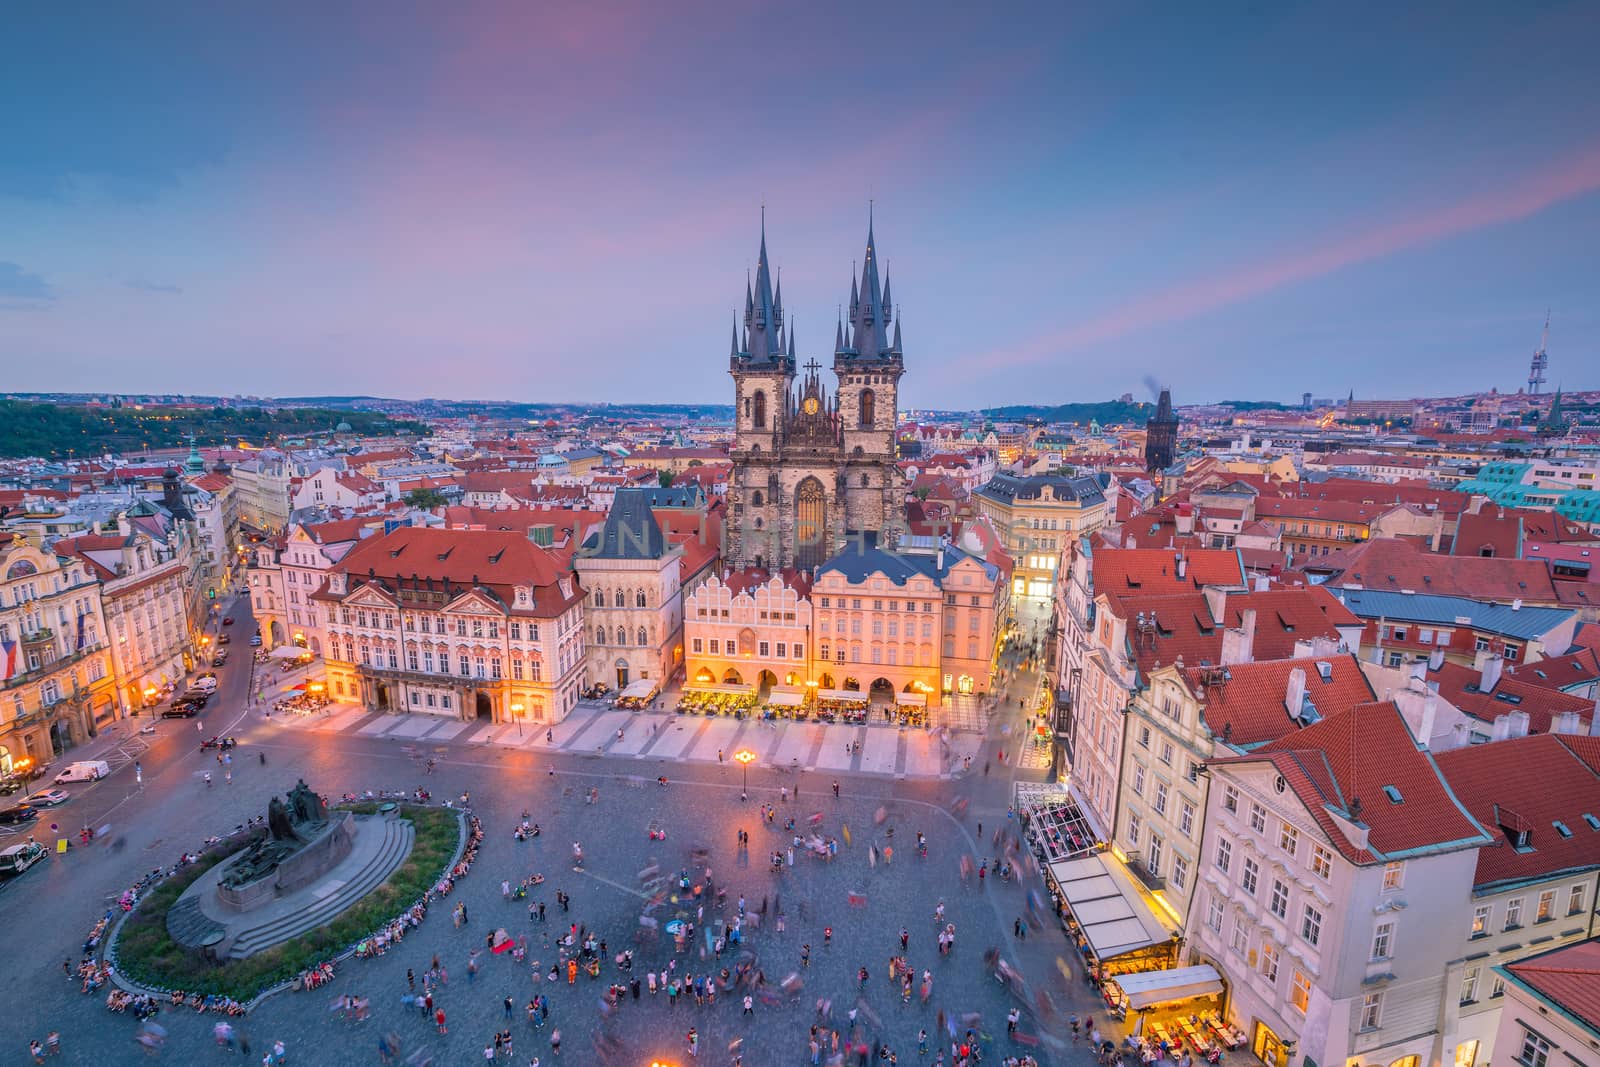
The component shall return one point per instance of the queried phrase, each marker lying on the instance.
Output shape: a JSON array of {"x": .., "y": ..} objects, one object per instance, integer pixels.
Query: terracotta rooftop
[
  {"x": 1120, "y": 572},
  {"x": 1460, "y": 686},
  {"x": 1568, "y": 977},
  {"x": 1560, "y": 672},
  {"x": 1180, "y": 625},
  {"x": 1503, "y": 531},
  {"x": 1246, "y": 703},
  {"x": 1396, "y": 565},
  {"x": 1537, "y": 786}
]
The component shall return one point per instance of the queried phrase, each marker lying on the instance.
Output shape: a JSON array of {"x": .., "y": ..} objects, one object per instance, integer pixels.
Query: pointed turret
[
  {"x": 869, "y": 321},
  {"x": 888, "y": 304},
  {"x": 733, "y": 350},
  {"x": 791, "y": 340},
  {"x": 763, "y": 314},
  {"x": 838, "y": 338},
  {"x": 897, "y": 349}
]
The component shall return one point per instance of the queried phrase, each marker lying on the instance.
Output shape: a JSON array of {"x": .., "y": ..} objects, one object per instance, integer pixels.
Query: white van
[
  {"x": 86, "y": 771},
  {"x": 18, "y": 858}
]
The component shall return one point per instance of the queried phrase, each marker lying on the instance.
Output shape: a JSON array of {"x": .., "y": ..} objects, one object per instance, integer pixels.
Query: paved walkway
[{"x": 650, "y": 736}]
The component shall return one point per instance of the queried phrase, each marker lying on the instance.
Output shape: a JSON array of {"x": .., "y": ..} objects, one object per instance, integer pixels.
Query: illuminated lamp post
[
  {"x": 745, "y": 756},
  {"x": 516, "y": 712}
]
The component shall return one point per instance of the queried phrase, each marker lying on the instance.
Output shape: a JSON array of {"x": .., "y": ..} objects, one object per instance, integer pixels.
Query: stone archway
[
  {"x": 766, "y": 681},
  {"x": 484, "y": 706},
  {"x": 622, "y": 674},
  {"x": 810, "y": 524},
  {"x": 826, "y": 681},
  {"x": 882, "y": 689},
  {"x": 732, "y": 678}
]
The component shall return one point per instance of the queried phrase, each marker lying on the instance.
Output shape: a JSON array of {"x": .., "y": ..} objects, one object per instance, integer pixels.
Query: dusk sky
[{"x": 559, "y": 202}]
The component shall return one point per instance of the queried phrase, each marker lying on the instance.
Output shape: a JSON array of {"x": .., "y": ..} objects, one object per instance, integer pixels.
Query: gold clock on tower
[{"x": 810, "y": 406}]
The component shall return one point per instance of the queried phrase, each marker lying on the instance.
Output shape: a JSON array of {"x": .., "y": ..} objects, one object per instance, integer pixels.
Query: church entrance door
[{"x": 810, "y": 525}]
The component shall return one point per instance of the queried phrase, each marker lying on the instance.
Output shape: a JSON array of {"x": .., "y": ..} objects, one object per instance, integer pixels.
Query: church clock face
[{"x": 810, "y": 406}]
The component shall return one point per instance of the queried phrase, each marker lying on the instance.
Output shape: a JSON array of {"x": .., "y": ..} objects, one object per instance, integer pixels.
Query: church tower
[{"x": 809, "y": 468}]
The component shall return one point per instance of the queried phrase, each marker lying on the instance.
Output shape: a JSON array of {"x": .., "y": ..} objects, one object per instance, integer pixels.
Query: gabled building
[{"x": 635, "y": 608}]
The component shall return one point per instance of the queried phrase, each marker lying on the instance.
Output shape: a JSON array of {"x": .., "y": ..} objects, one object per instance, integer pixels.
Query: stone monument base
[
  {"x": 373, "y": 848},
  {"x": 321, "y": 853}
]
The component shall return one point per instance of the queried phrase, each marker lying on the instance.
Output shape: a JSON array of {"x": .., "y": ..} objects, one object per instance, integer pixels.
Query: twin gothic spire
[{"x": 864, "y": 335}]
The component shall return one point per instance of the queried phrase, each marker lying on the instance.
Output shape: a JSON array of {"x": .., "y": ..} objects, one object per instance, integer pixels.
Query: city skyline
[{"x": 1243, "y": 206}]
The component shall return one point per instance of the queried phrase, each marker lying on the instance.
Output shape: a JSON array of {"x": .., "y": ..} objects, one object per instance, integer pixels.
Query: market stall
[
  {"x": 1177, "y": 1011},
  {"x": 638, "y": 694},
  {"x": 736, "y": 700},
  {"x": 912, "y": 708},
  {"x": 787, "y": 703},
  {"x": 842, "y": 705}
]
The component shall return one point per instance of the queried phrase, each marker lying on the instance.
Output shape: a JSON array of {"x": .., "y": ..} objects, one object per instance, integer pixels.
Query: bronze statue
[
  {"x": 278, "y": 823},
  {"x": 306, "y": 804}
]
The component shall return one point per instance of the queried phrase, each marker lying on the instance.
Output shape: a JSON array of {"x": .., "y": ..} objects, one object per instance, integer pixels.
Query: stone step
[
  {"x": 188, "y": 924},
  {"x": 398, "y": 837}
]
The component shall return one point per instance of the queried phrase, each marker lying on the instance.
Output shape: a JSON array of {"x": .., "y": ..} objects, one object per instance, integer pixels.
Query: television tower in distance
[{"x": 1540, "y": 362}]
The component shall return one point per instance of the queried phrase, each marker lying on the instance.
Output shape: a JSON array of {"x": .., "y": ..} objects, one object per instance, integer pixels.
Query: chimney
[
  {"x": 1418, "y": 670},
  {"x": 1566, "y": 722},
  {"x": 1489, "y": 673},
  {"x": 1238, "y": 643},
  {"x": 1185, "y": 523},
  {"x": 1519, "y": 723},
  {"x": 1294, "y": 696},
  {"x": 1516, "y": 605},
  {"x": 1500, "y": 729},
  {"x": 1263, "y": 583},
  {"x": 1183, "y": 566},
  {"x": 1460, "y": 735},
  {"x": 1436, "y": 658},
  {"x": 1216, "y": 604}
]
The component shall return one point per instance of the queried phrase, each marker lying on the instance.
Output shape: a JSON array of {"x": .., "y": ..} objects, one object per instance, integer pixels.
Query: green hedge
[{"x": 146, "y": 953}]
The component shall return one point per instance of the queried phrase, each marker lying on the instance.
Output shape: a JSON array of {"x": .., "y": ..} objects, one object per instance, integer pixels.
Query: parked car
[
  {"x": 206, "y": 683},
  {"x": 255, "y": 639},
  {"x": 18, "y": 858},
  {"x": 19, "y": 814},
  {"x": 84, "y": 771},
  {"x": 197, "y": 697},
  {"x": 223, "y": 639},
  {"x": 227, "y": 620},
  {"x": 220, "y": 658},
  {"x": 9, "y": 786},
  {"x": 48, "y": 798},
  {"x": 180, "y": 710}
]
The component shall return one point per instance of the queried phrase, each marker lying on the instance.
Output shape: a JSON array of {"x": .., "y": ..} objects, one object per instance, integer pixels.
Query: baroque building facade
[{"x": 810, "y": 468}]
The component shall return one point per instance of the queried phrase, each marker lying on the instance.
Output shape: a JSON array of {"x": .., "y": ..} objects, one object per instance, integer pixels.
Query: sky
[{"x": 561, "y": 201}]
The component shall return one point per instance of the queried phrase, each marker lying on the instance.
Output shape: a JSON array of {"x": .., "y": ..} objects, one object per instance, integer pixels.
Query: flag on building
[{"x": 10, "y": 659}]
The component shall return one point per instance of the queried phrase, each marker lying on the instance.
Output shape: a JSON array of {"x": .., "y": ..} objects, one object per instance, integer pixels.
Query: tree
[
  {"x": 664, "y": 478},
  {"x": 426, "y": 498}
]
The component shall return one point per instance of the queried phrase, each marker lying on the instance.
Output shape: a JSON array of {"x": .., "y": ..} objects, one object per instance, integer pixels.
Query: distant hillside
[
  {"x": 1107, "y": 413},
  {"x": 62, "y": 430}
]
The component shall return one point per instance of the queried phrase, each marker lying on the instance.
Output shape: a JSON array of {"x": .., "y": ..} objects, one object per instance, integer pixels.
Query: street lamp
[
  {"x": 516, "y": 711},
  {"x": 745, "y": 756}
]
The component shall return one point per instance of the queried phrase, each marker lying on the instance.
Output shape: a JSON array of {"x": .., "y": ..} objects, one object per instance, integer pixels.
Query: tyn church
[{"x": 809, "y": 467}]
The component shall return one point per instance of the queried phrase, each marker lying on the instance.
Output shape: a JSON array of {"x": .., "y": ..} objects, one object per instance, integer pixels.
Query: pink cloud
[{"x": 1526, "y": 195}]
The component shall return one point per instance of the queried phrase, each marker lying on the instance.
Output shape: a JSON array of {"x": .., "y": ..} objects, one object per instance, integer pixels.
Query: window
[
  {"x": 1186, "y": 819},
  {"x": 1279, "y": 904},
  {"x": 1383, "y": 941},
  {"x": 1575, "y": 900},
  {"x": 1321, "y": 862},
  {"x": 1166, "y": 753},
  {"x": 1394, "y": 876},
  {"x": 1240, "y": 941},
  {"x": 1180, "y": 871},
  {"x": 1134, "y": 825},
  {"x": 1138, "y": 780},
  {"x": 1535, "y": 1050},
  {"x": 1269, "y": 963},
  {"x": 1469, "y": 984},
  {"x": 1144, "y": 736},
  {"x": 1224, "y": 857},
  {"x": 763, "y": 649},
  {"x": 1162, "y": 791},
  {"x": 1513, "y": 914},
  {"x": 1300, "y": 992},
  {"x": 1214, "y": 914},
  {"x": 1497, "y": 988},
  {"x": 1230, "y": 798},
  {"x": 1547, "y": 907},
  {"x": 1258, "y": 818},
  {"x": 1153, "y": 862},
  {"x": 698, "y": 645},
  {"x": 1480, "y": 920},
  {"x": 1311, "y": 925},
  {"x": 1371, "y": 1011},
  {"x": 1288, "y": 839},
  {"x": 1250, "y": 875}
]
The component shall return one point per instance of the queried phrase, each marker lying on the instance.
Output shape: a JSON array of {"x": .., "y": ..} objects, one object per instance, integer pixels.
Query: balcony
[
  {"x": 1151, "y": 881},
  {"x": 46, "y": 669}
]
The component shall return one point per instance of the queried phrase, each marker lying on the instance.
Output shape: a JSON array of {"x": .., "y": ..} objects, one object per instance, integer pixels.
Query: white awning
[
  {"x": 720, "y": 690},
  {"x": 289, "y": 652},
  {"x": 843, "y": 695},
  {"x": 642, "y": 689},
  {"x": 786, "y": 698},
  {"x": 1163, "y": 987},
  {"x": 1111, "y": 909},
  {"x": 914, "y": 700}
]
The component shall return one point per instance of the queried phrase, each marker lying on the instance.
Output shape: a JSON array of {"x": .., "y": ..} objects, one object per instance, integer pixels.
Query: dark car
[
  {"x": 224, "y": 639},
  {"x": 227, "y": 620},
  {"x": 9, "y": 786},
  {"x": 220, "y": 658},
  {"x": 21, "y": 813}
]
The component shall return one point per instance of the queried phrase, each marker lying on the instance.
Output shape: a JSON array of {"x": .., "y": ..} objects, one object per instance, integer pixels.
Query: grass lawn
[{"x": 147, "y": 954}]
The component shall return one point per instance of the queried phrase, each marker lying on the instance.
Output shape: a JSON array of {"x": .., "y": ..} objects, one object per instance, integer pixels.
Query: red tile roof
[
  {"x": 1141, "y": 571},
  {"x": 1568, "y": 977},
  {"x": 1182, "y": 626},
  {"x": 1450, "y": 503},
  {"x": 1396, "y": 565},
  {"x": 1361, "y": 755},
  {"x": 1248, "y": 707},
  {"x": 1459, "y": 685},
  {"x": 747, "y": 579},
  {"x": 1528, "y": 784},
  {"x": 1559, "y": 672},
  {"x": 496, "y": 559},
  {"x": 1505, "y": 530}
]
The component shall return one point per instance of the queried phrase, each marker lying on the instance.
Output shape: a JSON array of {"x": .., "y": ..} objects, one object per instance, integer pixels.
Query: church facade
[{"x": 813, "y": 466}]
